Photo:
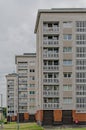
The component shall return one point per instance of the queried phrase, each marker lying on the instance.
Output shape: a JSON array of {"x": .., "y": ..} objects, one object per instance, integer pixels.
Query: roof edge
[{"x": 57, "y": 10}]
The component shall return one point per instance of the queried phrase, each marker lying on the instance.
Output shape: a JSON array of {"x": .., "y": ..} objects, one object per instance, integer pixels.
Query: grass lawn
[
  {"x": 22, "y": 126},
  {"x": 33, "y": 126}
]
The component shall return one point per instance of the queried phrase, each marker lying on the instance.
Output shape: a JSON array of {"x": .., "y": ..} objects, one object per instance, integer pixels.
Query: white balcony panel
[
  {"x": 50, "y": 42},
  {"x": 50, "y": 55},
  {"x": 51, "y": 68},
  {"x": 51, "y": 81},
  {"x": 50, "y": 29},
  {"x": 50, "y": 93},
  {"x": 50, "y": 106}
]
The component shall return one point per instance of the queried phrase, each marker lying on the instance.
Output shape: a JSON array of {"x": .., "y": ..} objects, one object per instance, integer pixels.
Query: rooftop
[{"x": 57, "y": 10}]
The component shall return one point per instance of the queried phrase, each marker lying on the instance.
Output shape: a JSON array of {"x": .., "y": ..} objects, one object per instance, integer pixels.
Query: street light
[
  {"x": 18, "y": 104},
  {"x": 1, "y": 111},
  {"x": 39, "y": 121}
]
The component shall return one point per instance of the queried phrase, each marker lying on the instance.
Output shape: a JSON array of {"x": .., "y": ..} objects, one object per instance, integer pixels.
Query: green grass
[
  {"x": 34, "y": 126},
  {"x": 22, "y": 126}
]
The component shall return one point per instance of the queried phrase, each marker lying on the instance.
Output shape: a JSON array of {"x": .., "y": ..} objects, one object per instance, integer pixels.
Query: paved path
[
  {"x": 63, "y": 127},
  {"x": 56, "y": 128}
]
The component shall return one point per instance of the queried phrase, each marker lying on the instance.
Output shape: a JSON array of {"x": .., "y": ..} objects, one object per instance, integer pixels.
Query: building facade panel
[{"x": 61, "y": 61}]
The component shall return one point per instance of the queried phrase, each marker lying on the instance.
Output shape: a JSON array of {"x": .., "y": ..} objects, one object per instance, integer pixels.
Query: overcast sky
[{"x": 17, "y": 22}]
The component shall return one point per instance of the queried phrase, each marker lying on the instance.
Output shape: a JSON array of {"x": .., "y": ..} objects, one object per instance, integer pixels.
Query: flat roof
[
  {"x": 57, "y": 10},
  {"x": 25, "y": 55},
  {"x": 12, "y": 75}
]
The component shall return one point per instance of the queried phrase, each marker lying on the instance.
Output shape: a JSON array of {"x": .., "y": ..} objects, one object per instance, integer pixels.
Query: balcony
[
  {"x": 50, "y": 29},
  {"x": 23, "y": 89},
  {"x": 50, "y": 106},
  {"x": 10, "y": 97},
  {"x": 22, "y": 65},
  {"x": 50, "y": 55},
  {"x": 11, "y": 83},
  {"x": 23, "y": 104},
  {"x": 50, "y": 42},
  {"x": 23, "y": 82},
  {"x": 22, "y": 74},
  {"x": 22, "y": 96},
  {"x": 11, "y": 104},
  {"x": 50, "y": 81},
  {"x": 23, "y": 110},
  {"x": 49, "y": 93},
  {"x": 51, "y": 67}
]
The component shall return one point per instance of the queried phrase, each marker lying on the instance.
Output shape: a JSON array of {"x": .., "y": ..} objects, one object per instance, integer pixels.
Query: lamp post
[
  {"x": 18, "y": 103},
  {"x": 10, "y": 114},
  {"x": 39, "y": 121},
  {"x": 1, "y": 111}
]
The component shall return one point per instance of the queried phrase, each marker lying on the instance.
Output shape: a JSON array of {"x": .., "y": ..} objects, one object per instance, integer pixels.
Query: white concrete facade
[
  {"x": 61, "y": 59},
  {"x": 12, "y": 94},
  {"x": 25, "y": 67}
]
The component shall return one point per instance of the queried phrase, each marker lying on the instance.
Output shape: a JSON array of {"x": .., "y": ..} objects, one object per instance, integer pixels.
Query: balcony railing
[
  {"x": 54, "y": 81},
  {"x": 22, "y": 82},
  {"x": 11, "y": 97},
  {"x": 50, "y": 55},
  {"x": 51, "y": 29},
  {"x": 22, "y": 96},
  {"x": 49, "y": 93},
  {"x": 23, "y": 89},
  {"x": 23, "y": 110},
  {"x": 50, "y": 42},
  {"x": 22, "y": 65},
  {"x": 23, "y": 104},
  {"x": 23, "y": 74},
  {"x": 51, "y": 67},
  {"x": 50, "y": 106}
]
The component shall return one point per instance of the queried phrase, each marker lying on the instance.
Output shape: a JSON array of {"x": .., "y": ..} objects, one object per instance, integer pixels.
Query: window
[
  {"x": 67, "y": 75},
  {"x": 50, "y": 75},
  {"x": 32, "y": 92},
  {"x": 81, "y": 62},
  {"x": 67, "y": 49},
  {"x": 81, "y": 26},
  {"x": 32, "y": 99},
  {"x": 81, "y": 75},
  {"x": 32, "y": 78},
  {"x": 31, "y": 107},
  {"x": 32, "y": 85},
  {"x": 81, "y": 37},
  {"x": 56, "y": 62},
  {"x": 80, "y": 23},
  {"x": 32, "y": 70},
  {"x": 49, "y": 62},
  {"x": 67, "y": 24},
  {"x": 81, "y": 87},
  {"x": 81, "y": 100},
  {"x": 67, "y": 100},
  {"x": 32, "y": 63},
  {"x": 67, "y": 36},
  {"x": 67, "y": 87},
  {"x": 67, "y": 62}
]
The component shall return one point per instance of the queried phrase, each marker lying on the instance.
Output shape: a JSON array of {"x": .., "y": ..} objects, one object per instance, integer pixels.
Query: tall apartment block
[
  {"x": 12, "y": 96},
  {"x": 25, "y": 67},
  {"x": 61, "y": 66}
]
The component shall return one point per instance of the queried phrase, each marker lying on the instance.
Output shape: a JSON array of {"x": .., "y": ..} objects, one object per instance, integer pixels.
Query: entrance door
[
  {"x": 47, "y": 117},
  {"x": 67, "y": 117},
  {"x": 21, "y": 117}
]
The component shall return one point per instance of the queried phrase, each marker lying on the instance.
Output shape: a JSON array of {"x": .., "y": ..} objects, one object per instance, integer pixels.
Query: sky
[{"x": 17, "y": 23}]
